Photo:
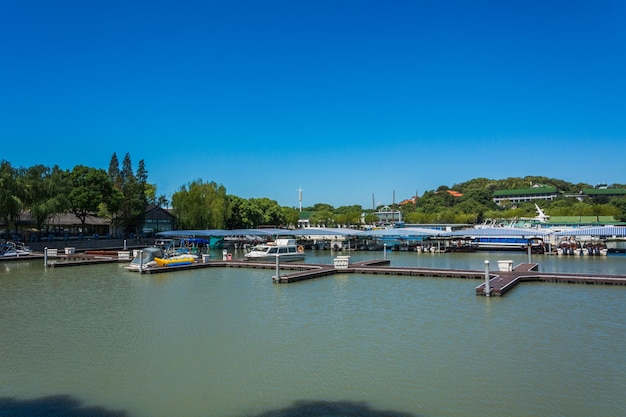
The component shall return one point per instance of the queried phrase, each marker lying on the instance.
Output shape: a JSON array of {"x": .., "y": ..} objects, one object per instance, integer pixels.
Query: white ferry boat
[{"x": 285, "y": 249}]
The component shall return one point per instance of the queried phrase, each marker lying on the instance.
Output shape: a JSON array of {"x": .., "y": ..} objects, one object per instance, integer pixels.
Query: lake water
[{"x": 224, "y": 342}]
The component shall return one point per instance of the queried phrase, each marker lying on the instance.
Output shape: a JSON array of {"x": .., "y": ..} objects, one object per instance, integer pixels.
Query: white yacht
[{"x": 285, "y": 249}]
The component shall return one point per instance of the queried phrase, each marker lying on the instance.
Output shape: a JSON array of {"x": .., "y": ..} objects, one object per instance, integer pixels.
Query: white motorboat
[
  {"x": 12, "y": 249},
  {"x": 145, "y": 259},
  {"x": 285, "y": 249}
]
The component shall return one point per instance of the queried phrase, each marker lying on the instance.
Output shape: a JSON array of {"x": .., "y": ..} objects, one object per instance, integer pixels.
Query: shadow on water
[
  {"x": 53, "y": 406},
  {"x": 66, "y": 406},
  {"x": 332, "y": 409}
]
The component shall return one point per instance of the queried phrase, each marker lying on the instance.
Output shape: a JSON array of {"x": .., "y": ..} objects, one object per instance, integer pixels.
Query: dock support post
[
  {"x": 487, "y": 289},
  {"x": 141, "y": 261},
  {"x": 277, "y": 277},
  {"x": 124, "y": 244},
  {"x": 384, "y": 251},
  {"x": 45, "y": 257},
  {"x": 529, "y": 253}
]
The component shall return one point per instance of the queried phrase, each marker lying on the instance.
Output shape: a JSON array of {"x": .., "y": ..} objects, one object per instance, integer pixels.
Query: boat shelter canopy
[
  {"x": 618, "y": 231},
  {"x": 326, "y": 231},
  {"x": 224, "y": 233},
  {"x": 402, "y": 233},
  {"x": 399, "y": 233},
  {"x": 525, "y": 233}
]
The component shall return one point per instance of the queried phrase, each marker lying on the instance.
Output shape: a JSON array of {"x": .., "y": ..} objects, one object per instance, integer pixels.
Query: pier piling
[{"x": 487, "y": 289}]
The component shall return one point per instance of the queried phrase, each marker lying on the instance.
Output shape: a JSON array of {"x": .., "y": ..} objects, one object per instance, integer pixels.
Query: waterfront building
[
  {"x": 387, "y": 215},
  {"x": 524, "y": 195}
]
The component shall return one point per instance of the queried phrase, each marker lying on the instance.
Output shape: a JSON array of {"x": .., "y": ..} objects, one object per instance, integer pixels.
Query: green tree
[
  {"x": 323, "y": 207},
  {"x": 371, "y": 218},
  {"x": 620, "y": 205},
  {"x": 10, "y": 202},
  {"x": 127, "y": 205},
  {"x": 152, "y": 198},
  {"x": 419, "y": 217},
  {"x": 244, "y": 214},
  {"x": 89, "y": 188},
  {"x": 114, "y": 172},
  {"x": 44, "y": 192},
  {"x": 323, "y": 217},
  {"x": 201, "y": 205},
  {"x": 291, "y": 216},
  {"x": 272, "y": 212}
]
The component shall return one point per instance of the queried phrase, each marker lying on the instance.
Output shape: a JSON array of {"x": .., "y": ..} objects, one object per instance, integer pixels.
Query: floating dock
[{"x": 500, "y": 282}]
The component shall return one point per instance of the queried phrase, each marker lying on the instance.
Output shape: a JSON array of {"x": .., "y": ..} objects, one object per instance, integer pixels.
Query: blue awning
[
  {"x": 224, "y": 233},
  {"x": 327, "y": 231},
  {"x": 595, "y": 231},
  {"x": 525, "y": 233},
  {"x": 402, "y": 232}
]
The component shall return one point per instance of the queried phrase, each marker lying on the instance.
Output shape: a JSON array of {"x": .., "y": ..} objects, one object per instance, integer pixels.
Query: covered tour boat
[{"x": 285, "y": 249}]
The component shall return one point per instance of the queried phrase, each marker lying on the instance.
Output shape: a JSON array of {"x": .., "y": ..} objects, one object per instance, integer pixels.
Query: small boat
[
  {"x": 569, "y": 247},
  {"x": 497, "y": 243},
  {"x": 186, "y": 259},
  {"x": 12, "y": 249},
  {"x": 594, "y": 248},
  {"x": 146, "y": 259},
  {"x": 285, "y": 249}
]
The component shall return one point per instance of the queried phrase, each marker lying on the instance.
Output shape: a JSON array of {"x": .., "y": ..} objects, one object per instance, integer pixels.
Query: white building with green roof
[{"x": 524, "y": 195}]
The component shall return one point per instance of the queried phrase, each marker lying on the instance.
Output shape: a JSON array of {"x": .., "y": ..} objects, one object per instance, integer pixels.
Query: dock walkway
[{"x": 500, "y": 282}]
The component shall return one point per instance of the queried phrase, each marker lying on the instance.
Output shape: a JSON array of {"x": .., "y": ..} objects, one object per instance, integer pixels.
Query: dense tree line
[
  {"x": 476, "y": 204},
  {"x": 122, "y": 195}
]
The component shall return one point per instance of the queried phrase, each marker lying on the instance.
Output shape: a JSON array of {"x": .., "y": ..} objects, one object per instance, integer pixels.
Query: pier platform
[{"x": 500, "y": 282}]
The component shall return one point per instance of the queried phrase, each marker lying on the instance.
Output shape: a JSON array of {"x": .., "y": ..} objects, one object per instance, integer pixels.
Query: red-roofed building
[{"x": 454, "y": 193}]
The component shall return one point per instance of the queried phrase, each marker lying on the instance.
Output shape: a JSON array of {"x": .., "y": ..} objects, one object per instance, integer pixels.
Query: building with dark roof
[{"x": 158, "y": 219}]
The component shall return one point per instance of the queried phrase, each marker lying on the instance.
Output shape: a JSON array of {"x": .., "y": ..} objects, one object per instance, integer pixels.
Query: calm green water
[{"x": 103, "y": 341}]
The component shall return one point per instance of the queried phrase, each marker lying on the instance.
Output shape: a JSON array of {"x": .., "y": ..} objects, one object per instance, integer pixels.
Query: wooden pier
[
  {"x": 500, "y": 282},
  {"x": 85, "y": 258}
]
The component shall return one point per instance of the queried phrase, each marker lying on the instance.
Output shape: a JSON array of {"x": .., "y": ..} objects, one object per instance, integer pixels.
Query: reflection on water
[
  {"x": 58, "y": 405},
  {"x": 228, "y": 342}
]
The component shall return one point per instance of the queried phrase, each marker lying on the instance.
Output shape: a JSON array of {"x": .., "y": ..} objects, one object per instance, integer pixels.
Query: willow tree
[
  {"x": 201, "y": 205},
  {"x": 44, "y": 192}
]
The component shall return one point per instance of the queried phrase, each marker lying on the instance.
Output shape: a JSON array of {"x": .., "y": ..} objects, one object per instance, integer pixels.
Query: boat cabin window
[
  {"x": 272, "y": 250},
  {"x": 282, "y": 250}
]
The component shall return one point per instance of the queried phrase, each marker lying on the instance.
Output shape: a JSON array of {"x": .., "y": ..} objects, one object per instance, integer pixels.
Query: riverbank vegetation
[{"x": 121, "y": 195}]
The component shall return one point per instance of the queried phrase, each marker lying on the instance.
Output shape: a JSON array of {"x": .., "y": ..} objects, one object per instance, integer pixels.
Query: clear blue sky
[{"x": 346, "y": 99}]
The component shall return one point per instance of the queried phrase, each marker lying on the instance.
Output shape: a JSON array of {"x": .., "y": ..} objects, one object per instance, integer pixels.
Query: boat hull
[
  {"x": 175, "y": 261},
  {"x": 272, "y": 258},
  {"x": 286, "y": 249}
]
